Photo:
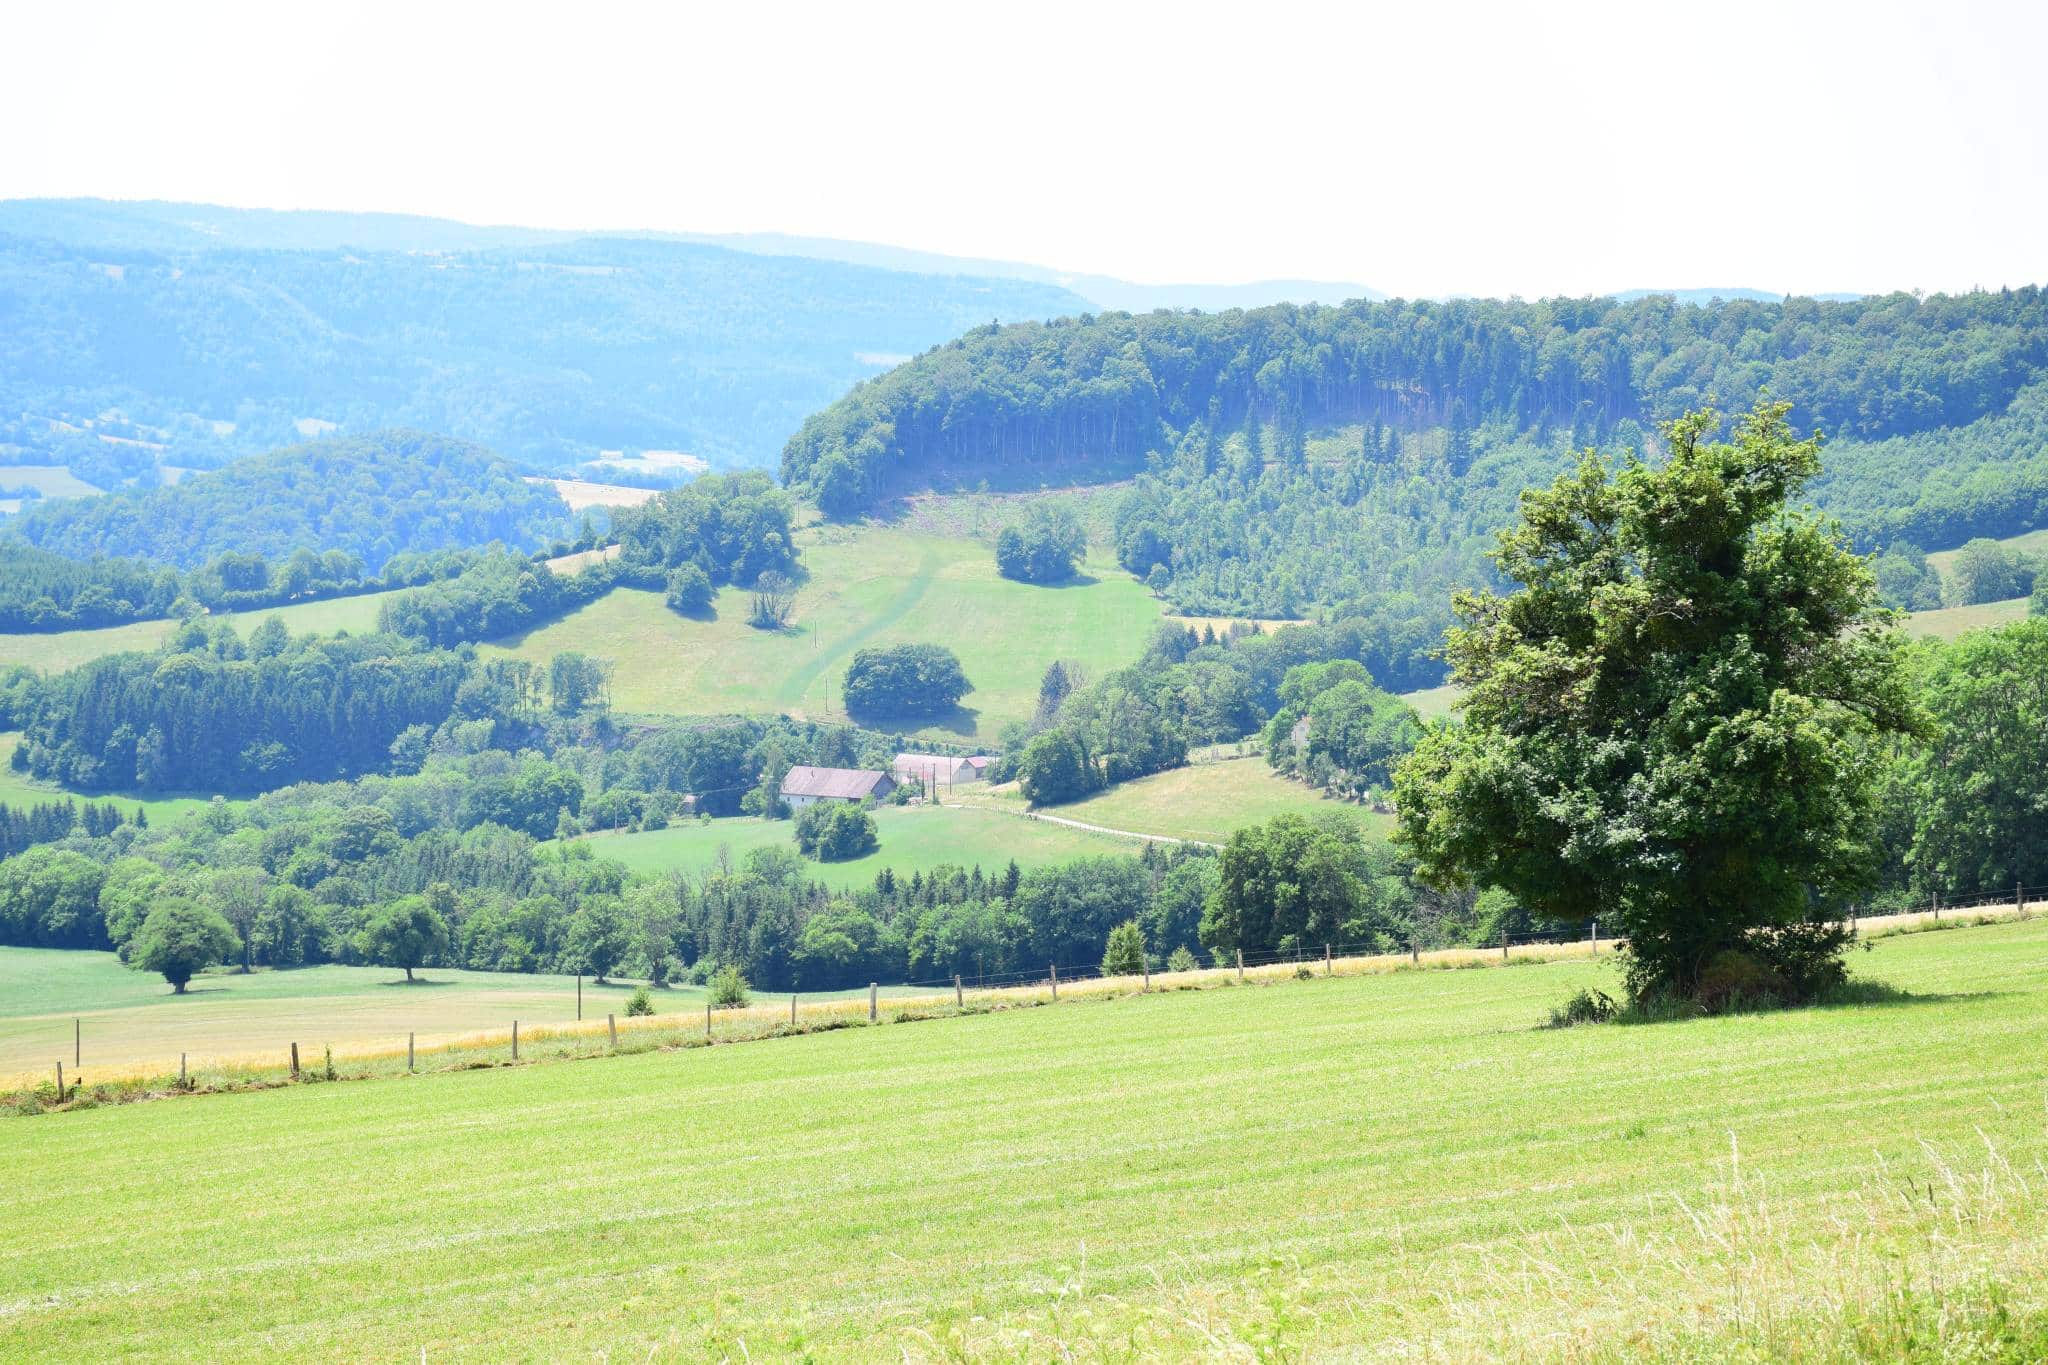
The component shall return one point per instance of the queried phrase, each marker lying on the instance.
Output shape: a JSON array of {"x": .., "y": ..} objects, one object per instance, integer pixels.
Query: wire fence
[{"x": 920, "y": 998}]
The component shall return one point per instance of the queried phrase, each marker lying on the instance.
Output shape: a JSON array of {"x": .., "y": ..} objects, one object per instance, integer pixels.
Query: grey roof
[
  {"x": 930, "y": 763},
  {"x": 849, "y": 784}
]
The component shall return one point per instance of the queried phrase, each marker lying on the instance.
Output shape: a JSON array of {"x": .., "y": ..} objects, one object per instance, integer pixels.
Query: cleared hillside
[
  {"x": 1205, "y": 802},
  {"x": 1394, "y": 1165},
  {"x": 911, "y": 838},
  {"x": 867, "y": 586}
]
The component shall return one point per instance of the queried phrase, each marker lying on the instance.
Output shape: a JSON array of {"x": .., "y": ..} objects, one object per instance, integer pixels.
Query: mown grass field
[
  {"x": 60, "y": 650},
  {"x": 868, "y": 586},
  {"x": 1203, "y": 801},
  {"x": 2031, "y": 542},
  {"x": 1392, "y": 1165},
  {"x": 1946, "y": 623},
  {"x": 911, "y": 838},
  {"x": 130, "y": 1018}
]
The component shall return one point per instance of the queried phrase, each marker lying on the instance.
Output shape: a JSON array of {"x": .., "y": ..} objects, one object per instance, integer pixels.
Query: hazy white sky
[{"x": 1422, "y": 148}]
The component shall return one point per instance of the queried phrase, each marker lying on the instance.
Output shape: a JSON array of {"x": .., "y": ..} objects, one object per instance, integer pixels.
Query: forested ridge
[
  {"x": 372, "y": 496},
  {"x": 549, "y": 351},
  {"x": 1118, "y": 386}
]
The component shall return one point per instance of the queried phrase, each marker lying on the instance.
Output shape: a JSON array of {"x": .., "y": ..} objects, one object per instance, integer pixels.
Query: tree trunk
[
  {"x": 408, "y": 973},
  {"x": 177, "y": 988}
]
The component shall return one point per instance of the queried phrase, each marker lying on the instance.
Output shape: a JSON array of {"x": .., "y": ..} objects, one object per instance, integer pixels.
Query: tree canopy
[{"x": 1668, "y": 724}]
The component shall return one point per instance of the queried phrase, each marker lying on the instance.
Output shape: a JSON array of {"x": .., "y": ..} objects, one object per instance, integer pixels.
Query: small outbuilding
[
  {"x": 929, "y": 771},
  {"x": 807, "y": 785}
]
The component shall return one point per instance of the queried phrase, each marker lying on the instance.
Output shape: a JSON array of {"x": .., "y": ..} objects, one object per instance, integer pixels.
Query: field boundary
[{"x": 531, "y": 1043}]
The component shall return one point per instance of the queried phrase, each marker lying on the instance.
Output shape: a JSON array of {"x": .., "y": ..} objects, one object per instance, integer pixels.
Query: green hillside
[
  {"x": 912, "y": 839},
  {"x": 1946, "y": 623},
  {"x": 1206, "y": 802},
  {"x": 1389, "y": 1166},
  {"x": 868, "y": 585},
  {"x": 60, "y": 650}
]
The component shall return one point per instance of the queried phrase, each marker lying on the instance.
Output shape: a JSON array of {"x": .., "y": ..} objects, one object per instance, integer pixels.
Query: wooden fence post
[
  {"x": 515, "y": 1040},
  {"x": 181, "y": 1071},
  {"x": 1503, "y": 945},
  {"x": 1146, "y": 963},
  {"x": 60, "y": 1082},
  {"x": 792, "y": 1009},
  {"x": 1414, "y": 951},
  {"x": 707, "y": 1016},
  {"x": 77, "y": 1043},
  {"x": 1240, "y": 964},
  {"x": 579, "y": 997},
  {"x": 1055, "y": 969},
  {"x": 1596, "y": 938},
  {"x": 871, "y": 1002},
  {"x": 959, "y": 993},
  {"x": 1937, "y": 907},
  {"x": 1329, "y": 962},
  {"x": 410, "y": 1040},
  {"x": 295, "y": 1061},
  {"x": 611, "y": 1026}
]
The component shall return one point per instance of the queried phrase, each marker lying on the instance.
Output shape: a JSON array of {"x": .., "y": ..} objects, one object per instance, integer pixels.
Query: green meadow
[
  {"x": 60, "y": 650},
  {"x": 1946, "y": 623},
  {"x": 867, "y": 586},
  {"x": 910, "y": 838},
  {"x": 1205, "y": 802},
  {"x": 1405, "y": 1165},
  {"x": 17, "y": 790}
]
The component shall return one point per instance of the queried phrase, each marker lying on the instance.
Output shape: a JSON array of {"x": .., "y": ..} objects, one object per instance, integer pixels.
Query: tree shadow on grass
[
  {"x": 964, "y": 721},
  {"x": 1854, "y": 995},
  {"x": 417, "y": 982}
]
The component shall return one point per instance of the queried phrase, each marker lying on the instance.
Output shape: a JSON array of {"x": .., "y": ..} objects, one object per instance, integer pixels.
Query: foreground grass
[
  {"x": 869, "y": 585},
  {"x": 1397, "y": 1164},
  {"x": 911, "y": 839},
  {"x": 1206, "y": 802}
]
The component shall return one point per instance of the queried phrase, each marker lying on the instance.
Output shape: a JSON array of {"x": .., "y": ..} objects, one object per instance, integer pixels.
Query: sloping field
[
  {"x": 867, "y": 586},
  {"x": 1203, "y": 801},
  {"x": 1392, "y": 1165},
  {"x": 911, "y": 838},
  {"x": 17, "y": 790},
  {"x": 60, "y": 650},
  {"x": 1946, "y": 623}
]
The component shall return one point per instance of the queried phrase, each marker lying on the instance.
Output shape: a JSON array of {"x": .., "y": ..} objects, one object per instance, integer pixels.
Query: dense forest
[
  {"x": 551, "y": 351},
  {"x": 1113, "y": 386},
  {"x": 372, "y": 497}
]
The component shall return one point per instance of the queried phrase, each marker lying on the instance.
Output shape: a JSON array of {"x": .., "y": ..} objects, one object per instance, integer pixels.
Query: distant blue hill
[{"x": 1706, "y": 296}]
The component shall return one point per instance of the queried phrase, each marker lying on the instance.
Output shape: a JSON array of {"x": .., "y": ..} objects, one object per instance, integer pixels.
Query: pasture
[
  {"x": 1946, "y": 623},
  {"x": 1401, "y": 1164},
  {"x": 911, "y": 839},
  {"x": 60, "y": 650},
  {"x": 867, "y": 586},
  {"x": 131, "y": 1020},
  {"x": 17, "y": 790},
  {"x": 1203, "y": 801}
]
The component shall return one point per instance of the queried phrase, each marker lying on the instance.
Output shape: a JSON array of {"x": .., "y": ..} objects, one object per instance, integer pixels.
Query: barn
[{"x": 807, "y": 786}]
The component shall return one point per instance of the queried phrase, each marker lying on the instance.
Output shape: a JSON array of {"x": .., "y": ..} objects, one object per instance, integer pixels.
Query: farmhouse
[
  {"x": 807, "y": 786},
  {"x": 935, "y": 770}
]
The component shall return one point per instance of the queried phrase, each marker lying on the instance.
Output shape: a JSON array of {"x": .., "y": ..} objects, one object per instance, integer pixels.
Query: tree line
[{"x": 1110, "y": 386}]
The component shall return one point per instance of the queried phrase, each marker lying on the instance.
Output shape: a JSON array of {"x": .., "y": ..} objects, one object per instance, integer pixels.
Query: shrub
[
  {"x": 1587, "y": 1007},
  {"x": 1043, "y": 550},
  {"x": 729, "y": 988},
  {"x": 1124, "y": 955},
  {"x": 689, "y": 590},
  {"x": 639, "y": 1004},
  {"x": 1182, "y": 960},
  {"x": 834, "y": 831}
]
